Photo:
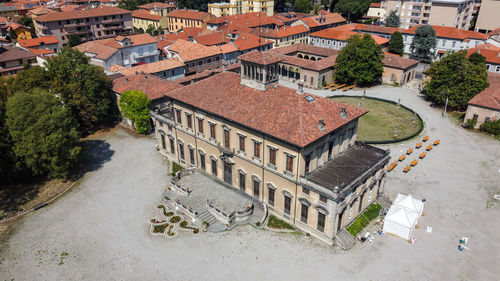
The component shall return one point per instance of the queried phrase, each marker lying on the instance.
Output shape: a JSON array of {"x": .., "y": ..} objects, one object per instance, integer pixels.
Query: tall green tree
[
  {"x": 396, "y": 44},
  {"x": 28, "y": 22},
  {"x": 352, "y": 10},
  {"x": 392, "y": 20},
  {"x": 279, "y": 6},
  {"x": 135, "y": 106},
  {"x": 423, "y": 44},
  {"x": 477, "y": 58},
  {"x": 44, "y": 133},
  {"x": 360, "y": 61},
  {"x": 302, "y": 6},
  {"x": 332, "y": 5},
  {"x": 455, "y": 77},
  {"x": 74, "y": 40},
  {"x": 325, "y": 4}
]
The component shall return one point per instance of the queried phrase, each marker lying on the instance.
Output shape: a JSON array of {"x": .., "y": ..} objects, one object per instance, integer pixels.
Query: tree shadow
[{"x": 95, "y": 154}]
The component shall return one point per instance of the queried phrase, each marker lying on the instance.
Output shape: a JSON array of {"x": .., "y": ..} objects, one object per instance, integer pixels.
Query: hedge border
[{"x": 421, "y": 122}]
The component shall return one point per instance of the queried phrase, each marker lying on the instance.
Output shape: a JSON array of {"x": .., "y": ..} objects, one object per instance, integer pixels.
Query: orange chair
[
  {"x": 415, "y": 162},
  {"x": 409, "y": 151},
  {"x": 437, "y": 142},
  {"x": 406, "y": 169},
  {"x": 426, "y": 138},
  {"x": 391, "y": 167},
  {"x": 422, "y": 155},
  {"x": 419, "y": 145},
  {"x": 429, "y": 148},
  {"x": 402, "y": 157}
]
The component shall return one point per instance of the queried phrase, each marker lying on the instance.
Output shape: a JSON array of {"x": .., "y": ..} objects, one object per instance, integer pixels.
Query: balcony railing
[
  {"x": 148, "y": 54},
  {"x": 74, "y": 24},
  {"x": 111, "y": 21}
]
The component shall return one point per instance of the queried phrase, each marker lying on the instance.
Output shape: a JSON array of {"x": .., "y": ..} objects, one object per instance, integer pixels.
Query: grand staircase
[
  {"x": 384, "y": 202},
  {"x": 346, "y": 240}
]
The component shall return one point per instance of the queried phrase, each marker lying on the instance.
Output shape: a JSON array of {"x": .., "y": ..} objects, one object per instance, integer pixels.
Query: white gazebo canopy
[
  {"x": 409, "y": 202},
  {"x": 402, "y": 217}
]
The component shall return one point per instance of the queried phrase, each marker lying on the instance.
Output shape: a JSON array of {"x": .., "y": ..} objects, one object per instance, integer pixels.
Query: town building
[
  {"x": 124, "y": 51},
  {"x": 284, "y": 36},
  {"x": 13, "y": 59},
  {"x": 398, "y": 70},
  {"x": 376, "y": 12},
  {"x": 336, "y": 39},
  {"x": 236, "y": 7},
  {"x": 142, "y": 19},
  {"x": 295, "y": 152},
  {"x": 487, "y": 19},
  {"x": 179, "y": 19},
  {"x": 244, "y": 22},
  {"x": 92, "y": 24},
  {"x": 485, "y": 106},
  {"x": 320, "y": 22},
  {"x": 43, "y": 43},
  {"x": 7, "y": 10},
  {"x": 158, "y": 8},
  {"x": 22, "y": 32},
  {"x": 492, "y": 55},
  {"x": 170, "y": 69},
  {"x": 451, "y": 13},
  {"x": 217, "y": 38},
  {"x": 196, "y": 57}
]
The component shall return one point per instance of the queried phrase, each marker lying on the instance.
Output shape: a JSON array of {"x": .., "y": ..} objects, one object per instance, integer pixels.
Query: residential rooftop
[
  {"x": 341, "y": 35},
  {"x": 189, "y": 51},
  {"x": 154, "y": 87},
  {"x": 188, "y": 14},
  {"x": 100, "y": 11},
  {"x": 489, "y": 97},
  {"x": 396, "y": 61},
  {"x": 40, "y": 41},
  {"x": 151, "y": 68}
]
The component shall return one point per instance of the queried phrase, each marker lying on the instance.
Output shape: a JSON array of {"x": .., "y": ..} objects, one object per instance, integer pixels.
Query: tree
[
  {"x": 12, "y": 35},
  {"x": 302, "y": 6},
  {"x": 135, "y": 106},
  {"x": 423, "y": 44},
  {"x": 44, "y": 133},
  {"x": 74, "y": 40},
  {"x": 477, "y": 58},
  {"x": 316, "y": 8},
  {"x": 279, "y": 6},
  {"x": 352, "y": 10},
  {"x": 396, "y": 44},
  {"x": 332, "y": 5},
  {"x": 393, "y": 20},
  {"x": 360, "y": 61},
  {"x": 83, "y": 87},
  {"x": 455, "y": 77},
  {"x": 28, "y": 22},
  {"x": 325, "y": 4}
]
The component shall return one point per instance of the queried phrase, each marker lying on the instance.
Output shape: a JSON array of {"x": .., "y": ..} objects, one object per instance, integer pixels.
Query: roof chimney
[
  {"x": 343, "y": 113},
  {"x": 321, "y": 124},
  {"x": 301, "y": 87}
]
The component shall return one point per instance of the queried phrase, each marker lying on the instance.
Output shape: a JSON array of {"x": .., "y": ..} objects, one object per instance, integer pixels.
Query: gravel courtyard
[{"x": 99, "y": 230}]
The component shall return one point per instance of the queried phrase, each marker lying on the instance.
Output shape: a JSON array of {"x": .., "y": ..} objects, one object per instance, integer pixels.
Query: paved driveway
[{"x": 101, "y": 223}]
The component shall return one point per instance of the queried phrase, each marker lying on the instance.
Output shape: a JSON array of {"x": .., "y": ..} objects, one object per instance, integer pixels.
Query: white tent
[
  {"x": 409, "y": 202},
  {"x": 402, "y": 217}
]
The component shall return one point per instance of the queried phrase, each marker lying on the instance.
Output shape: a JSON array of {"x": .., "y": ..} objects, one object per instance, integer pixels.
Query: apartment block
[
  {"x": 92, "y": 24},
  {"x": 487, "y": 19},
  {"x": 237, "y": 7},
  {"x": 180, "y": 19}
]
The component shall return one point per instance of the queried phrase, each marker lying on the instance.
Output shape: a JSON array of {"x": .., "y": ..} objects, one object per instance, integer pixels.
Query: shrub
[
  {"x": 470, "y": 123},
  {"x": 364, "y": 219},
  {"x": 175, "y": 219},
  {"x": 491, "y": 127},
  {"x": 274, "y": 222},
  {"x": 175, "y": 168},
  {"x": 396, "y": 84}
]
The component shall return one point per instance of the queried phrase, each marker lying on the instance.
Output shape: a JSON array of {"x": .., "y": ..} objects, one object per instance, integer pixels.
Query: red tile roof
[
  {"x": 489, "y": 51},
  {"x": 306, "y": 48},
  {"x": 176, "y": 36},
  {"x": 143, "y": 14},
  {"x": 211, "y": 39},
  {"x": 261, "y": 58},
  {"x": 395, "y": 61},
  {"x": 330, "y": 55},
  {"x": 217, "y": 20},
  {"x": 100, "y": 11},
  {"x": 189, "y": 51},
  {"x": 228, "y": 48},
  {"x": 249, "y": 20},
  {"x": 195, "y": 31},
  {"x": 375, "y": 5},
  {"x": 489, "y": 97},
  {"x": 41, "y": 52},
  {"x": 188, "y": 14},
  {"x": 280, "y": 32},
  {"x": 8, "y": 53},
  {"x": 335, "y": 34},
  {"x": 320, "y": 20},
  {"x": 105, "y": 48},
  {"x": 279, "y": 111},
  {"x": 154, "y": 87},
  {"x": 38, "y": 41},
  {"x": 247, "y": 41},
  {"x": 102, "y": 52},
  {"x": 153, "y": 67},
  {"x": 452, "y": 32},
  {"x": 156, "y": 5}
]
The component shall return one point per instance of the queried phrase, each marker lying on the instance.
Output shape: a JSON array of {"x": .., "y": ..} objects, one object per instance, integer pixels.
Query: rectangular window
[
  {"x": 256, "y": 188},
  {"x": 308, "y": 163},
  {"x": 304, "y": 212},
  {"x": 214, "y": 167},
  {"x": 289, "y": 163},
  {"x": 163, "y": 145},
  {"x": 181, "y": 151},
  {"x": 287, "y": 206},
  {"x": 191, "y": 155},
  {"x": 242, "y": 143},
  {"x": 202, "y": 161},
  {"x": 172, "y": 146},
  {"x": 179, "y": 120},
  {"x": 323, "y": 199},
  {"x": 272, "y": 156},
  {"x": 200, "y": 126},
  {"x": 189, "y": 120},
  {"x": 321, "y": 222},
  {"x": 226, "y": 139},
  {"x": 212, "y": 130},
  {"x": 256, "y": 150},
  {"x": 305, "y": 190},
  {"x": 242, "y": 181},
  {"x": 270, "y": 196}
]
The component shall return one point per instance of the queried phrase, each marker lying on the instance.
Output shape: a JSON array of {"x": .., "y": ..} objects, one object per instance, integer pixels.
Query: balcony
[
  {"x": 111, "y": 21},
  {"x": 74, "y": 25},
  {"x": 75, "y": 31}
]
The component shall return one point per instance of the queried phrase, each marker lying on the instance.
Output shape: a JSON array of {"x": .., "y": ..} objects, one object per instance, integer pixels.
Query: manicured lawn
[
  {"x": 364, "y": 219},
  {"x": 379, "y": 123},
  {"x": 274, "y": 222}
]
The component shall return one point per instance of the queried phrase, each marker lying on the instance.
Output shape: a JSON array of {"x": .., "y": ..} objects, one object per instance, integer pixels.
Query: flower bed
[
  {"x": 184, "y": 224},
  {"x": 160, "y": 228},
  {"x": 157, "y": 221},
  {"x": 274, "y": 222}
]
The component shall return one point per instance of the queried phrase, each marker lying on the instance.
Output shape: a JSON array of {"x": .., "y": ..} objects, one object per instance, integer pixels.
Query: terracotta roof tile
[
  {"x": 320, "y": 20},
  {"x": 247, "y": 41},
  {"x": 217, "y": 20},
  {"x": 489, "y": 51},
  {"x": 279, "y": 111},
  {"x": 189, "y": 51},
  {"x": 188, "y": 14},
  {"x": 41, "y": 52},
  {"x": 96, "y": 12},
  {"x": 249, "y": 20},
  {"x": 228, "y": 48},
  {"x": 153, "y": 67},
  {"x": 102, "y": 52},
  {"x": 395, "y": 61},
  {"x": 489, "y": 97},
  {"x": 452, "y": 32},
  {"x": 154, "y": 87},
  {"x": 38, "y": 41},
  {"x": 306, "y": 48},
  {"x": 143, "y": 14},
  {"x": 335, "y": 34},
  {"x": 8, "y": 53},
  {"x": 280, "y": 32},
  {"x": 211, "y": 39},
  {"x": 195, "y": 31},
  {"x": 261, "y": 58},
  {"x": 156, "y": 5}
]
